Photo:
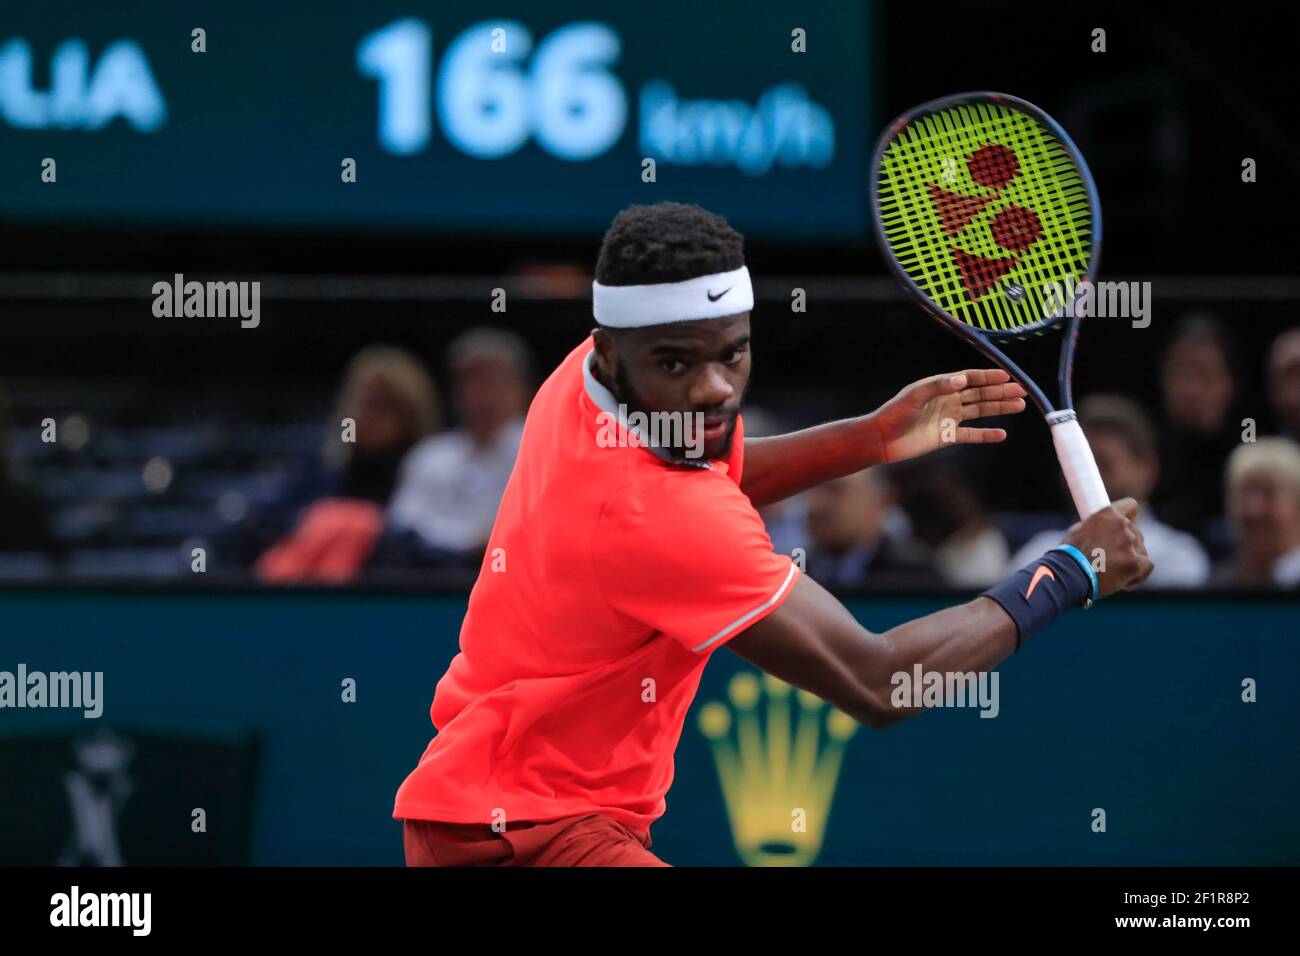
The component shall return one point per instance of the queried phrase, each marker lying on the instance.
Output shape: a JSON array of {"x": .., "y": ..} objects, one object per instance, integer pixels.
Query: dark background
[
  {"x": 1137, "y": 710},
  {"x": 1164, "y": 116}
]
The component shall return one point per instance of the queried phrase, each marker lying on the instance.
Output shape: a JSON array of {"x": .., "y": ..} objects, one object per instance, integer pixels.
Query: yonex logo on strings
[
  {"x": 1016, "y": 229},
  {"x": 1013, "y": 228}
]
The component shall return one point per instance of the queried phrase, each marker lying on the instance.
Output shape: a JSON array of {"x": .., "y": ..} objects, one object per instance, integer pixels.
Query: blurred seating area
[
  {"x": 125, "y": 481},
  {"x": 394, "y": 473},
  {"x": 114, "y": 480}
]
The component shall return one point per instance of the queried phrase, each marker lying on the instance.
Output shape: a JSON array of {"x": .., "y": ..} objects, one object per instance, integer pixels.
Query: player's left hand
[{"x": 929, "y": 414}]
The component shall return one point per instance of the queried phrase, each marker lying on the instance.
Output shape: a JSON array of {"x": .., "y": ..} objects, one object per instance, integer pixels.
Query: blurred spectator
[
  {"x": 392, "y": 404},
  {"x": 24, "y": 514},
  {"x": 330, "y": 545},
  {"x": 1284, "y": 382},
  {"x": 1124, "y": 444},
  {"x": 1199, "y": 383},
  {"x": 451, "y": 484},
  {"x": 966, "y": 547},
  {"x": 848, "y": 541},
  {"x": 1263, "y": 482},
  {"x": 391, "y": 398}
]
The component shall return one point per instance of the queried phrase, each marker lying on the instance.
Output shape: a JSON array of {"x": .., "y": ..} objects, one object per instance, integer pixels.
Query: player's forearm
[
  {"x": 973, "y": 637},
  {"x": 815, "y": 643},
  {"x": 784, "y": 465}
]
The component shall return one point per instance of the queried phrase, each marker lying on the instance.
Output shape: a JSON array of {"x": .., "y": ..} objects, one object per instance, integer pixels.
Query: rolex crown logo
[{"x": 778, "y": 761}]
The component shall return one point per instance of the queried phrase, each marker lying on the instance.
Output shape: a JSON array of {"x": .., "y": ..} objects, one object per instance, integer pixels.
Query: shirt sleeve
[{"x": 687, "y": 555}]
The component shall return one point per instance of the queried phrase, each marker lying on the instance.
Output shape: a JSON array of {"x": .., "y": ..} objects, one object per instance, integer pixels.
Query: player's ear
[{"x": 604, "y": 343}]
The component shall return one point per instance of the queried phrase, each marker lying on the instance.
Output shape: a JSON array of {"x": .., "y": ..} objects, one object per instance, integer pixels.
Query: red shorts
[{"x": 592, "y": 839}]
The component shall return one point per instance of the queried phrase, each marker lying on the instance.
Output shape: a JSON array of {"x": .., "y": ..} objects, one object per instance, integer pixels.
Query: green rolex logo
[{"x": 778, "y": 752}]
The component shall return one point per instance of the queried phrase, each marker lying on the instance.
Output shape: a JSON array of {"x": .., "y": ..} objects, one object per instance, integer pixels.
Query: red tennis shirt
[{"x": 611, "y": 575}]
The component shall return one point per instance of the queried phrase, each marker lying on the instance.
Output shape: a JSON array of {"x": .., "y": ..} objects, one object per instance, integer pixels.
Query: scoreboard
[{"x": 455, "y": 119}]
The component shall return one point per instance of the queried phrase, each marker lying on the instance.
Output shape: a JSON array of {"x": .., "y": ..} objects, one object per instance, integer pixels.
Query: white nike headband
[{"x": 704, "y": 297}]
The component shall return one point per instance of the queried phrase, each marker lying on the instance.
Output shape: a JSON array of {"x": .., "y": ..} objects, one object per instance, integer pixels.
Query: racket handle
[{"x": 1080, "y": 468}]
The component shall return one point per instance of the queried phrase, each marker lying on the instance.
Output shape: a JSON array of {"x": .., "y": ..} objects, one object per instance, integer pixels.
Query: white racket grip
[{"x": 1080, "y": 468}]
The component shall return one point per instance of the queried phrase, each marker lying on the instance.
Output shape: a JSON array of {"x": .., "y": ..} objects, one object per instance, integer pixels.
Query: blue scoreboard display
[{"x": 455, "y": 119}]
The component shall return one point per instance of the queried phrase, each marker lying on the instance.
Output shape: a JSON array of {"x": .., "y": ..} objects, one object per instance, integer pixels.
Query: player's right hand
[{"x": 1112, "y": 535}]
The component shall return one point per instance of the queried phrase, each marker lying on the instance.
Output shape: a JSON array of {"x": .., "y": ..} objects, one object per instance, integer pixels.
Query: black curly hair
[{"x": 667, "y": 242}]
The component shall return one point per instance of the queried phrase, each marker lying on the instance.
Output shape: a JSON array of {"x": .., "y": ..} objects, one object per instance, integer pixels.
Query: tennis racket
[{"x": 988, "y": 215}]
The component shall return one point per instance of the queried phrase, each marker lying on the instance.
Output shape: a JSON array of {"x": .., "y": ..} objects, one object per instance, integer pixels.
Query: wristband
[
  {"x": 1084, "y": 563},
  {"x": 1040, "y": 592}
]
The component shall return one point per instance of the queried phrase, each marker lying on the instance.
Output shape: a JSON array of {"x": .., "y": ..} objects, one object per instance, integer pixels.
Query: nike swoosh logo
[
  {"x": 1043, "y": 571},
  {"x": 715, "y": 298}
]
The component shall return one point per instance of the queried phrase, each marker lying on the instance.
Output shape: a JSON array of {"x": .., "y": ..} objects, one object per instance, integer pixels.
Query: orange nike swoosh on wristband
[{"x": 1043, "y": 571}]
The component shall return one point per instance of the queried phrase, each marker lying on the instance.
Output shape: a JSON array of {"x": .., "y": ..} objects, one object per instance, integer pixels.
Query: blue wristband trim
[{"x": 1084, "y": 563}]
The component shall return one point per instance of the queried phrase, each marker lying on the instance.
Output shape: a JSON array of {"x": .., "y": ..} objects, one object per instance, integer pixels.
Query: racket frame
[
  {"x": 1072, "y": 448},
  {"x": 981, "y": 338}
]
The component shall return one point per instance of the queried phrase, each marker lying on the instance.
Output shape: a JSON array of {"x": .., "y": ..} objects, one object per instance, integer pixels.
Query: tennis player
[{"x": 619, "y": 563}]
